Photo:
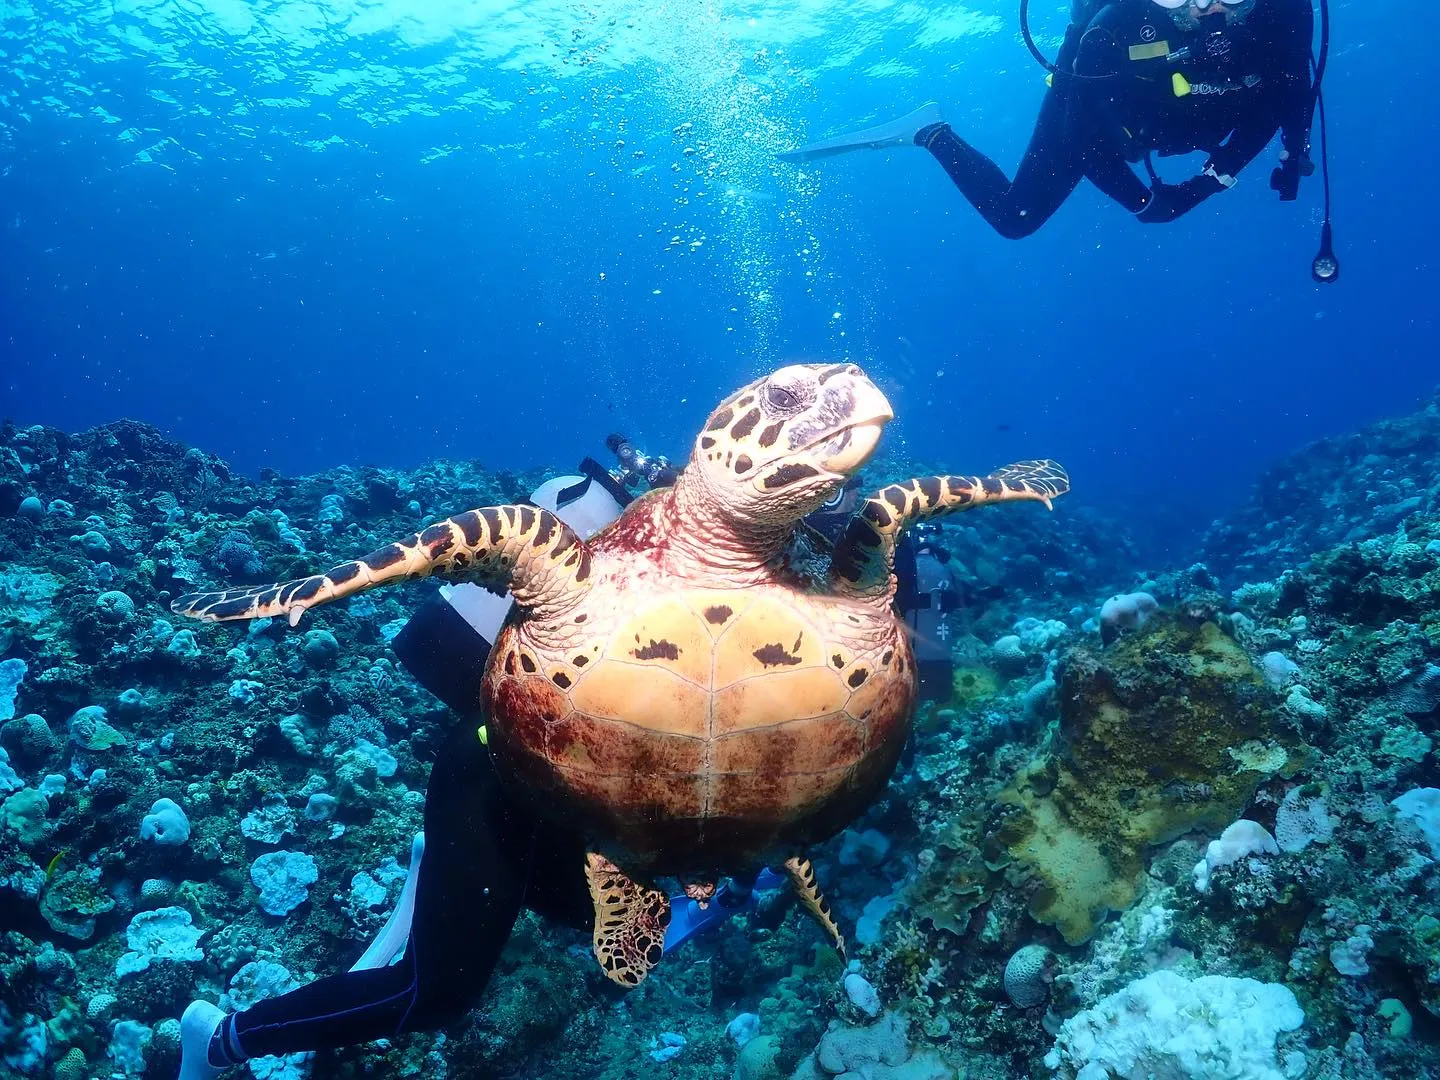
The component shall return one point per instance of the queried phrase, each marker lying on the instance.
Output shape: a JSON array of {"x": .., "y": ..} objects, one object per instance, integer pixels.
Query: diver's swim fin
[
  {"x": 687, "y": 918},
  {"x": 395, "y": 934},
  {"x": 899, "y": 132},
  {"x": 197, "y": 1027}
]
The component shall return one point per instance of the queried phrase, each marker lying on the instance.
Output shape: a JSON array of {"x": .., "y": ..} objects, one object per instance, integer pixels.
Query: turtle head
[{"x": 777, "y": 449}]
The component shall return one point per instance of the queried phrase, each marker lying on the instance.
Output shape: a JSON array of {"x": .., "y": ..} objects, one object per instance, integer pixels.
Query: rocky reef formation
[
  {"x": 1171, "y": 730},
  {"x": 1334, "y": 492},
  {"x": 1234, "y": 786}
]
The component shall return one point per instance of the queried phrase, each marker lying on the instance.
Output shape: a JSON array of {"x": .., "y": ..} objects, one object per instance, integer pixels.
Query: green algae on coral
[
  {"x": 1145, "y": 750},
  {"x": 972, "y": 685},
  {"x": 951, "y": 883}
]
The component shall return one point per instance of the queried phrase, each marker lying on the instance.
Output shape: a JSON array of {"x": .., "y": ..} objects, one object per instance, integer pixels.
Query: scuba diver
[
  {"x": 482, "y": 857},
  {"x": 1136, "y": 78},
  {"x": 927, "y": 589}
]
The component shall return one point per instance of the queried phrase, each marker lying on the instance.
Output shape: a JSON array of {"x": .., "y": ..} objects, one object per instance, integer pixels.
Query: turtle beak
[{"x": 852, "y": 445}]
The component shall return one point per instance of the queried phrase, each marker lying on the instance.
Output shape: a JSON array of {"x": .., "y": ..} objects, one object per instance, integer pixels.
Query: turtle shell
[{"x": 699, "y": 729}]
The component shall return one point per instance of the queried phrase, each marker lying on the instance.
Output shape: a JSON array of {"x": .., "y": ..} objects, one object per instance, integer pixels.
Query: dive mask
[{"x": 1203, "y": 5}]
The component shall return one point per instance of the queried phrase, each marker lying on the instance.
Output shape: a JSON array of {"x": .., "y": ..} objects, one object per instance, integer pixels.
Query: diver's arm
[
  {"x": 1285, "y": 105},
  {"x": 1096, "y": 125},
  {"x": 1251, "y": 136}
]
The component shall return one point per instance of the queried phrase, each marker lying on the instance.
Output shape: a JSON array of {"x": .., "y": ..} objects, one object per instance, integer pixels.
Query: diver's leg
[
  {"x": 470, "y": 890},
  {"x": 1048, "y": 173},
  {"x": 558, "y": 889},
  {"x": 485, "y": 849},
  {"x": 340, "y": 1010},
  {"x": 1017, "y": 208}
]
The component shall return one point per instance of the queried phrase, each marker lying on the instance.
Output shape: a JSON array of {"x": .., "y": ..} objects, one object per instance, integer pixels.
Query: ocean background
[
  {"x": 303, "y": 234},
  {"x": 281, "y": 282}
]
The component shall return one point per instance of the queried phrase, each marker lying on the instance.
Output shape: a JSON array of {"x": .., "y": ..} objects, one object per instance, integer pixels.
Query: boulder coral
[{"x": 1141, "y": 754}]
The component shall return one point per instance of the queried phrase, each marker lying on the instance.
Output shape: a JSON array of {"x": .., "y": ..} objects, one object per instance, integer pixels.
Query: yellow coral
[
  {"x": 971, "y": 686},
  {"x": 1150, "y": 733}
]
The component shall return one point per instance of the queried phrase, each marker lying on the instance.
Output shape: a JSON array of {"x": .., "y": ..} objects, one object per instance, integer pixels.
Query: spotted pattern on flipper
[
  {"x": 630, "y": 922},
  {"x": 865, "y": 554},
  {"x": 802, "y": 876},
  {"x": 528, "y": 551}
]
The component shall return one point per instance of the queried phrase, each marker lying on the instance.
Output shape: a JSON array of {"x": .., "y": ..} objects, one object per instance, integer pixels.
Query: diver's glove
[
  {"x": 1285, "y": 178},
  {"x": 1168, "y": 201}
]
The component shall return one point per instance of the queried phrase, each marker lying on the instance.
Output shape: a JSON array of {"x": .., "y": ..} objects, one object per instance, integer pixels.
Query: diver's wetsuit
[
  {"x": 926, "y": 590},
  {"x": 1235, "y": 91},
  {"x": 485, "y": 860}
]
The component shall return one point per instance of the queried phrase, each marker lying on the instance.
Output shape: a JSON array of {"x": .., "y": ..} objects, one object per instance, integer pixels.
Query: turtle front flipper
[
  {"x": 524, "y": 549},
  {"x": 630, "y": 922},
  {"x": 865, "y": 554},
  {"x": 802, "y": 877}
]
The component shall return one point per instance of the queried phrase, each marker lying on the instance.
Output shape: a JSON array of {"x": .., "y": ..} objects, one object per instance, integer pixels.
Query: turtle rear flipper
[
  {"x": 865, "y": 554},
  {"x": 524, "y": 549},
  {"x": 630, "y": 922},
  {"x": 802, "y": 876}
]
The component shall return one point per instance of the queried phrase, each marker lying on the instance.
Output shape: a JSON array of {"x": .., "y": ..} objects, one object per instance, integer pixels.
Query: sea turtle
[{"x": 682, "y": 683}]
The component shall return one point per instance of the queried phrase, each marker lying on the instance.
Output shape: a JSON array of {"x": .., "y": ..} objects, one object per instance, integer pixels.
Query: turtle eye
[{"x": 780, "y": 399}]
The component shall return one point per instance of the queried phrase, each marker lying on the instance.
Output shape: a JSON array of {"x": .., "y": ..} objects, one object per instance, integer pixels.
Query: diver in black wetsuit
[
  {"x": 1135, "y": 78},
  {"x": 485, "y": 861},
  {"x": 482, "y": 859}
]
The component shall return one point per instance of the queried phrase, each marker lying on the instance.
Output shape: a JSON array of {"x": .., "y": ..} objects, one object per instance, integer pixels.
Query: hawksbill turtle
[{"x": 682, "y": 684}]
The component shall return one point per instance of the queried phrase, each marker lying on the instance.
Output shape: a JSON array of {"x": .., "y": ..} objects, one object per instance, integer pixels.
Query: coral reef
[{"x": 226, "y": 812}]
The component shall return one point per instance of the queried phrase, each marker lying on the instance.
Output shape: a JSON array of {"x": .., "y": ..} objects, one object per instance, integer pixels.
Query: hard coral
[
  {"x": 72, "y": 1066},
  {"x": 1141, "y": 756},
  {"x": 1026, "y": 976}
]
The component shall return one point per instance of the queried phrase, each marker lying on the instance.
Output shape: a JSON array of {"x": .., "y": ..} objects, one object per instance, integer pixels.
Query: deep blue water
[{"x": 302, "y": 235}]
